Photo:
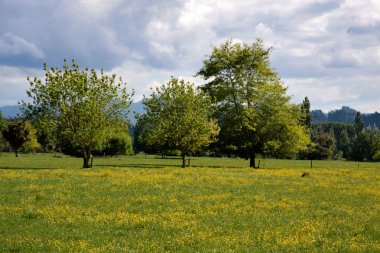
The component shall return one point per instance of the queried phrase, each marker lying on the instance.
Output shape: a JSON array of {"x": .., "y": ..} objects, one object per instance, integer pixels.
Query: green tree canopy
[
  {"x": 82, "y": 104},
  {"x": 3, "y": 122},
  {"x": 3, "y": 125},
  {"x": 365, "y": 145},
  {"x": 306, "y": 114},
  {"x": 178, "y": 116},
  {"x": 359, "y": 123},
  {"x": 254, "y": 112},
  {"x": 20, "y": 133}
]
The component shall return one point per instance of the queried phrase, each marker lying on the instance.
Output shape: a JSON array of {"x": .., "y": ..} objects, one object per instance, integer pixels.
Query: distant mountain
[
  {"x": 10, "y": 111},
  {"x": 345, "y": 115},
  {"x": 137, "y": 107},
  {"x": 14, "y": 110}
]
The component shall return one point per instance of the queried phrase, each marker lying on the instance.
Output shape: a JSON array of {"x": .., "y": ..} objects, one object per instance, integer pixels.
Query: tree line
[
  {"x": 242, "y": 110},
  {"x": 334, "y": 140}
]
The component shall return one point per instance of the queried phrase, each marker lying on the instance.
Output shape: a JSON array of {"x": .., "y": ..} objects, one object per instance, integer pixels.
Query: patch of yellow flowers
[{"x": 202, "y": 208}]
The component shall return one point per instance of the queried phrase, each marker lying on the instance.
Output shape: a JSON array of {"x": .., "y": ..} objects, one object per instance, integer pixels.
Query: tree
[
  {"x": 343, "y": 142},
  {"x": 359, "y": 123},
  {"x": 254, "y": 112},
  {"x": 117, "y": 142},
  {"x": 82, "y": 104},
  {"x": 179, "y": 117},
  {"x": 18, "y": 134},
  {"x": 343, "y": 133},
  {"x": 365, "y": 145},
  {"x": 306, "y": 114},
  {"x": 143, "y": 138},
  {"x": 47, "y": 134},
  {"x": 3, "y": 125},
  {"x": 376, "y": 156},
  {"x": 3, "y": 122}
]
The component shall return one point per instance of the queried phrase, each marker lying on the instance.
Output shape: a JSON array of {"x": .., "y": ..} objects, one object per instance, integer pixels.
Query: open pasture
[
  {"x": 144, "y": 204},
  {"x": 51, "y": 161}
]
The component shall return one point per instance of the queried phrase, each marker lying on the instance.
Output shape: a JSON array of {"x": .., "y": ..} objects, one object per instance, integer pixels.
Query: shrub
[{"x": 376, "y": 156}]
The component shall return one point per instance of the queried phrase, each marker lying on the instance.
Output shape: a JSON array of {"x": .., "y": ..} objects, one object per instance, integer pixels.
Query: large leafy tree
[
  {"x": 178, "y": 116},
  {"x": 80, "y": 104},
  {"x": 3, "y": 126},
  {"x": 254, "y": 112},
  {"x": 20, "y": 133}
]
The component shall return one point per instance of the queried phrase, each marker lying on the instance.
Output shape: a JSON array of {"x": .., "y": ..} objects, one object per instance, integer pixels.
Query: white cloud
[
  {"x": 162, "y": 49},
  {"x": 333, "y": 93},
  {"x": 96, "y": 9},
  {"x": 11, "y": 44},
  {"x": 325, "y": 49},
  {"x": 140, "y": 78},
  {"x": 13, "y": 83}
]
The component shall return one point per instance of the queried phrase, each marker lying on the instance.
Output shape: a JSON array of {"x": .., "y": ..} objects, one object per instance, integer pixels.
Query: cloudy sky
[{"x": 327, "y": 50}]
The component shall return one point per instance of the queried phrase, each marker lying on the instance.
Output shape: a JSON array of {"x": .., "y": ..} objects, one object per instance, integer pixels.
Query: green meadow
[{"x": 148, "y": 204}]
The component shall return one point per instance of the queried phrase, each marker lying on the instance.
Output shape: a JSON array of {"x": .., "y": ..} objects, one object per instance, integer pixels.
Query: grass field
[
  {"x": 145, "y": 204},
  {"x": 51, "y": 161}
]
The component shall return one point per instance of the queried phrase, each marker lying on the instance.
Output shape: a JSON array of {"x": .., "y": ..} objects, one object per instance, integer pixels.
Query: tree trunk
[
  {"x": 17, "y": 152},
  {"x": 252, "y": 157},
  {"x": 86, "y": 158},
  {"x": 183, "y": 161}
]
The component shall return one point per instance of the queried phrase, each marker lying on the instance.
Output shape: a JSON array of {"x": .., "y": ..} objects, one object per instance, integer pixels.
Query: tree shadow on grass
[
  {"x": 157, "y": 166},
  {"x": 38, "y": 168},
  {"x": 137, "y": 165}
]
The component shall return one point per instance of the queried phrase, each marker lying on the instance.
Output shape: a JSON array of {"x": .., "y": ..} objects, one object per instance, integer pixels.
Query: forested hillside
[{"x": 345, "y": 115}]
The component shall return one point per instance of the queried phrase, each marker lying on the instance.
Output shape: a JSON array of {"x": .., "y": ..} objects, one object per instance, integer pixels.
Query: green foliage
[
  {"x": 20, "y": 134},
  {"x": 119, "y": 145},
  {"x": 372, "y": 119},
  {"x": 178, "y": 117},
  {"x": 3, "y": 122},
  {"x": 322, "y": 147},
  {"x": 365, "y": 145},
  {"x": 82, "y": 105},
  {"x": 376, "y": 156},
  {"x": 336, "y": 127},
  {"x": 3, "y": 125},
  {"x": 305, "y": 113},
  {"x": 340, "y": 136},
  {"x": 343, "y": 143},
  {"x": 117, "y": 142},
  {"x": 47, "y": 134},
  {"x": 254, "y": 112},
  {"x": 359, "y": 123}
]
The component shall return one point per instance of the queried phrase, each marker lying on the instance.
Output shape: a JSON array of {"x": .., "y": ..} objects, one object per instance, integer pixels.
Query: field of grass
[
  {"x": 54, "y": 161},
  {"x": 146, "y": 204}
]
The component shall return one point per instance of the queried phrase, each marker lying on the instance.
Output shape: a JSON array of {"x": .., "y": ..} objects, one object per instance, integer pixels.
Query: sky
[{"x": 327, "y": 50}]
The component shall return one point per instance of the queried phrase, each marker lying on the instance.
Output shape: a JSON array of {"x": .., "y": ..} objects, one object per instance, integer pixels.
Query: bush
[{"x": 376, "y": 156}]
